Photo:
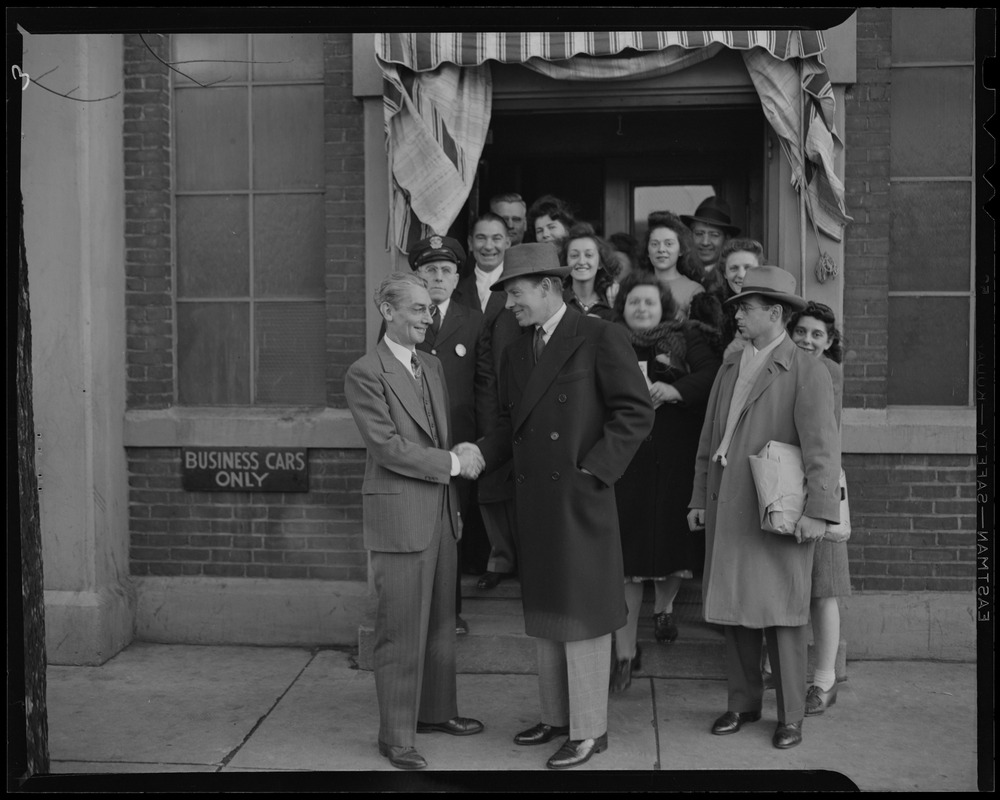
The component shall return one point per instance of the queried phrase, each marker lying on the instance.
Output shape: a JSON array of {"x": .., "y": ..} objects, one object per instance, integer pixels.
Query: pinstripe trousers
[
  {"x": 573, "y": 684},
  {"x": 415, "y": 637}
]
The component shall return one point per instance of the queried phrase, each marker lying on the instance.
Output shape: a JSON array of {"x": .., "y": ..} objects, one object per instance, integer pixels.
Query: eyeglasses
[{"x": 432, "y": 310}]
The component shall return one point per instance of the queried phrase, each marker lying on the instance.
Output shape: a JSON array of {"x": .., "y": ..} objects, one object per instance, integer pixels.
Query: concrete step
[{"x": 497, "y": 644}]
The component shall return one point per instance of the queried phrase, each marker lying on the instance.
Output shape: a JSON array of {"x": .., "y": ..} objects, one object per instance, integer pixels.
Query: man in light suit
[
  {"x": 574, "y": 409},
  {"x": 489, "y": 242},
  {"x": 756, "y": 580},
  {"x": 399, "y": 402}
]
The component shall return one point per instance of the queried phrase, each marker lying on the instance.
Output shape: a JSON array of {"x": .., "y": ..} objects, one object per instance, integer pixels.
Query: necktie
[
  {"x": 435, "y": 318},
  {"x": 539, "y": 343},
  {"x": 415, "y": 366}
]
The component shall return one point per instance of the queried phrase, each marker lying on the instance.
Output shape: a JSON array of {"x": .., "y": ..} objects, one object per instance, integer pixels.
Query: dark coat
[
  {"x": 583, "y": 406},
  {"x": 752, "y": 577},
  {"x": 498, "y": 329},
  {"x": 653, "y": 493}
]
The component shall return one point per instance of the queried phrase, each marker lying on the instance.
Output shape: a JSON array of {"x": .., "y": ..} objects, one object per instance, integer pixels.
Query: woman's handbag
[{"x": 780, "y": 481}]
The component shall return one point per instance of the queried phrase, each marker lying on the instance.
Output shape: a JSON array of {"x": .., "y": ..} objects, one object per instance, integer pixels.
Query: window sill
[
  {"x": 331, "y": 428},
  {"x": 909, "y": 429},
  {"x": 891, "y": 430}
]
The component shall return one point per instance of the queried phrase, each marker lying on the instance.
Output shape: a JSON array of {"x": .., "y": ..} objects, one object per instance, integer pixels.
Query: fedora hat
[
  {"x": 536, "y": 259},
  {"x": 713, "y": 211},
  {"x": 771, "y": 282},
  {"x": 436, "y": 248}
]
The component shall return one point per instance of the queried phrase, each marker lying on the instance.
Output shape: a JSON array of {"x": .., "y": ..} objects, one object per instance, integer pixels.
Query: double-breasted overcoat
[{"x": 584, "y": 405}]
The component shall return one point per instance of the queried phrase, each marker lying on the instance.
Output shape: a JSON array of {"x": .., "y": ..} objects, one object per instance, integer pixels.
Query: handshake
[{"x": 470, "y": 459}]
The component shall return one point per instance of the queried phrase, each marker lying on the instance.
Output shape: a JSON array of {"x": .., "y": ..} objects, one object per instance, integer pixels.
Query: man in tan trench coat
[{"x": 755, "y": 580}]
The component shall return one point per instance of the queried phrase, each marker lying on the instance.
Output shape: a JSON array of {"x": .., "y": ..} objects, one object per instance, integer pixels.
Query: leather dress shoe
[
  {"x": 787, "y": 735},
  {"x": 817, "y": 701},
  {"x": 541, "y": 733},
  {"x": 491, "y": 579},
  {"x": 456, "y": 726},
  {"x": 577, "y": 751},
  {"x": 402, "y": 757},
  {"x": 461, "y": 626},
  {"x": 664, "y": 627},
  {"x": 732, "y": 721}
]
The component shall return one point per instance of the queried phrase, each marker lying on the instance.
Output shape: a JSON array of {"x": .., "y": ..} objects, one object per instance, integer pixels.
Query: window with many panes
[
  {"x": 249, "y": 232},
  {"x": 931, "y": 193}
]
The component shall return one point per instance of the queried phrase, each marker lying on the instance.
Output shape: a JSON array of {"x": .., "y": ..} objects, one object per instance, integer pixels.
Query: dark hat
[
  {"x": 537, "y": 259},
  {"x": 713, "y": 211},
  {"x": 436, "y": 248},
  {"x": 771, "y": 282}
]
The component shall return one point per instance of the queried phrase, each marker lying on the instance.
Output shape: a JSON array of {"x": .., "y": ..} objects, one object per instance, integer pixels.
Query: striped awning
[
  {"x": 438, "y": 99},
  {"x": 422, "y": 52}
]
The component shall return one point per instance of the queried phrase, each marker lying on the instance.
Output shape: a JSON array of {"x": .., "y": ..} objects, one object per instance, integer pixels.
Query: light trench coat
[{"x": 752, "y": 577}]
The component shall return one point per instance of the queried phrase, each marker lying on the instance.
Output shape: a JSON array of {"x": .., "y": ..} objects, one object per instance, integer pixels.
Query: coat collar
[
  {"x": 403, "y": 386},
  {"x": 535, "y": 379}
]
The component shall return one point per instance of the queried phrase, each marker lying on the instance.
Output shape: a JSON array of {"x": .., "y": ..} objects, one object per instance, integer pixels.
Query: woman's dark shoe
[
  {"x": 637, "y": 659},
  {"x": 621, "y": 675},
  {"x": 664, "y": 627},
  {"x": 817, "y": 701}
]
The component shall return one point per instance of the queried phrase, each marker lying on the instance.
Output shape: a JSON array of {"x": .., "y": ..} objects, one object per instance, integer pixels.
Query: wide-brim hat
[
  {"x": 536, "y": 259},
  {"x": 436, "y": 248},
  {"x": 771, "y": 282},
  {"x": 713, "y": 211}
]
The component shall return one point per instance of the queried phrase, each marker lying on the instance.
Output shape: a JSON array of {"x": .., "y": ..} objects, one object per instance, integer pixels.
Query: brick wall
[
  {"x": 172, "y": 532},
  {"x": 148, "y": 286},
  {"x": 913, "y": 520},
  {"x": 317, "y": 534},
  {"x": 345, "y": 216},
  {"x": 866, "y": 245}
]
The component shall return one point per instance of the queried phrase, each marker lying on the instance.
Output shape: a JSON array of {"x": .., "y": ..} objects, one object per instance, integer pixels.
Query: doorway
[{"x": 614, "y": 167}]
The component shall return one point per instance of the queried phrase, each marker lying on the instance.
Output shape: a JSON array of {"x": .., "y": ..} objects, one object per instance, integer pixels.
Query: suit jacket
[
  {"x": 498, "y": 329},
  {"x": 583, "y": 405},
  {"x": 405, "y": 471},
  {"x": 456, "y": 346},
  {"x": 752, "y": 577}
]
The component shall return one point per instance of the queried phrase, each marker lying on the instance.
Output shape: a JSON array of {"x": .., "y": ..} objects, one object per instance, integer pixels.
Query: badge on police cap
[{"x": 436, "y": 242}]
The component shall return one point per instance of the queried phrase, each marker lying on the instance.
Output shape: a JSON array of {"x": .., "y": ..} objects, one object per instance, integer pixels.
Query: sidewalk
[{"x": 256, "y": 718}]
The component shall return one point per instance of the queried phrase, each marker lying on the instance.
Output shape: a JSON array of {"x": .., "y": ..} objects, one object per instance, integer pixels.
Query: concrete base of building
[
  {"x": 88, "y": 628},
  {"x": 251, "y": 611},
  {"x": 910, "y": 625}
]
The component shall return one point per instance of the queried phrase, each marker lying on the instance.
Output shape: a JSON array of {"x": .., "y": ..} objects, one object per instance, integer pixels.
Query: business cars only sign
[{"x": 244, "y": 469}]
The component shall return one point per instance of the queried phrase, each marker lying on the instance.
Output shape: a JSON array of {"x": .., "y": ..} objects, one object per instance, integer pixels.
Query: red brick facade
[
  {"x": 148, "y": 279},
  {"x": 866, "y": 246},
  {"x": 913, "y": 522},
  {"x": 913, "y": 515},
  {"x": 316, "y": 534}
]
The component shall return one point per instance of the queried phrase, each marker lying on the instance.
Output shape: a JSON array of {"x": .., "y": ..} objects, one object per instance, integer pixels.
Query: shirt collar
[
  {"x": 402, "y": 354},
  {"x": 491, "y": 276},
  {"x": 443, "y": 307},
  {"x": 550, "y": 324},
  {"x": 771, "y": 346}
]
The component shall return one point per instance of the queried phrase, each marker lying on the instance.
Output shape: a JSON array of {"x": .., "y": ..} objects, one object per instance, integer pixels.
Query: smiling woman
[{"x": 589, "y": 258}]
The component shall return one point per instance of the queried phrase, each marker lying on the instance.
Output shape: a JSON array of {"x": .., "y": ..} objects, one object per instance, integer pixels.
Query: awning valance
[
  {"x": 422, "y": 52},
  {"x": 438, "y": 99}
]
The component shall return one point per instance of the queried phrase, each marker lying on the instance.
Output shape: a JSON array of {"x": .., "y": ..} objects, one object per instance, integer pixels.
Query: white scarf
[{"x": 750, "y": 366}]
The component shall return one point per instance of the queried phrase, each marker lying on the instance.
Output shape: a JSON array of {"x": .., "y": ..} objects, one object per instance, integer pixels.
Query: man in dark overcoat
[
  {"x": 755, "y": 580},
  {"x": 574, "y": 409}
]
